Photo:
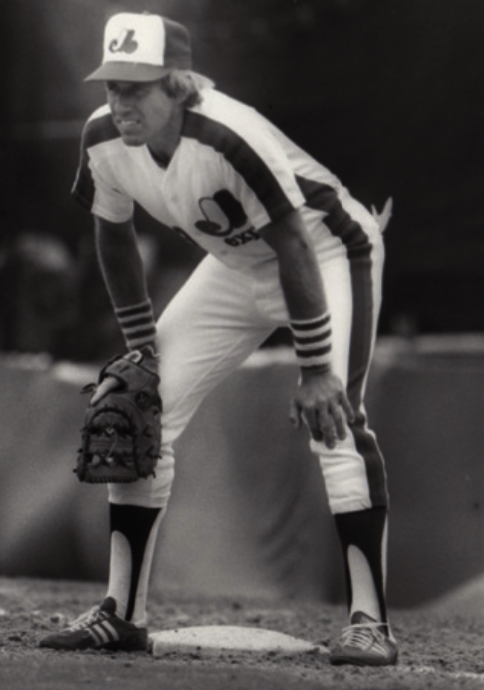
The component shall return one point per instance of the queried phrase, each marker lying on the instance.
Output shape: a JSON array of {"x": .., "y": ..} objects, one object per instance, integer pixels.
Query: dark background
[
  {"x": 386, "y": 93},
  {"x": 389, "y": 95}
]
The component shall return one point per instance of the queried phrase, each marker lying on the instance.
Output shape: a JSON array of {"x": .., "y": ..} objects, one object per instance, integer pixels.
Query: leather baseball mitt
[{"x": 121, "y": 437}]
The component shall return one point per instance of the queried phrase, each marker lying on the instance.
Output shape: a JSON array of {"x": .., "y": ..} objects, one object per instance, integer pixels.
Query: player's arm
[
  {"x": 321, "y": 398},
  {"x": 120, "y": 262},
  {"x": 125, "y": 279}
]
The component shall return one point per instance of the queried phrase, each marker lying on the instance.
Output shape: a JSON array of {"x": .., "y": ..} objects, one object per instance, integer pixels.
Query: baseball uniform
[{"x": 232, "y": 173}]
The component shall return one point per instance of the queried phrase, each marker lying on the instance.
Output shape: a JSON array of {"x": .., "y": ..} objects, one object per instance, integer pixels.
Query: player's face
[{"x": 141, "y": 111}]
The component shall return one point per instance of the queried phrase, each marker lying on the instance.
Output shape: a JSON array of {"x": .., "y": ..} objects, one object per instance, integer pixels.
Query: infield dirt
[{"x": 441, "y": 645}]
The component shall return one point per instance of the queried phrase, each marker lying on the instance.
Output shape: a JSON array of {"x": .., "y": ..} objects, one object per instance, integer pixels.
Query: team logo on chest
[
  {"x": 222, "y": 214},
  {"x": 124, "y": 43}
]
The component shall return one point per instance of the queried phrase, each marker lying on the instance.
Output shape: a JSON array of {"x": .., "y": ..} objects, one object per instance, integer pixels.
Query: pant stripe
[
  {"x": 358, "y": 250},
  {"x": 359, "y": 362}
]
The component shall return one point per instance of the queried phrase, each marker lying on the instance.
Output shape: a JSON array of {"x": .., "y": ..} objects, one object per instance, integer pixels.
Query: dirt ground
[{"x": 441, "y": 646}]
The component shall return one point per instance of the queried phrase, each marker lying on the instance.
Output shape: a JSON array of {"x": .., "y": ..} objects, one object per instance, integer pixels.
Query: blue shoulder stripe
[
  {"x": 323, "y": 197},
  {"x": 96, "y": 131},
  {"x": 256, "y": 173},
  {"x": 99, "y": 130}
]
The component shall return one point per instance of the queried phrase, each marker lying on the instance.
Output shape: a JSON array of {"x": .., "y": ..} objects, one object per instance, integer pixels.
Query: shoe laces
[
  {"x": 363, "y": 635},
  {"x": 88, "y": 618}
]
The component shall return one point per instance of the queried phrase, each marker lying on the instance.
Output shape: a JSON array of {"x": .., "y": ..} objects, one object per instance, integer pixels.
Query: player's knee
[
  {"x": 153, "y": 492},
  {"x": 163, "y": 481},
  {"x": 345, "y": 477}
]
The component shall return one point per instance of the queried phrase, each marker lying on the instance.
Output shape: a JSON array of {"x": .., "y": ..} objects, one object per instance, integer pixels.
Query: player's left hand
[
  {"x": 121, "y": 437},
  {"x": 321, "y": 403},
  {"x": 109, "y": 384}
]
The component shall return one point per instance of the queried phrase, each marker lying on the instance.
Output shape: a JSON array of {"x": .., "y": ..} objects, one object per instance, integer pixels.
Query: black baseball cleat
[
  {"x": 365, "y": 642},
  {"x": 99, "y": 628}
]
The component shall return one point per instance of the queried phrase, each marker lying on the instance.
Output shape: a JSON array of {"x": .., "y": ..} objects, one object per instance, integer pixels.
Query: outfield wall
[{"x": 248, "y": 513}]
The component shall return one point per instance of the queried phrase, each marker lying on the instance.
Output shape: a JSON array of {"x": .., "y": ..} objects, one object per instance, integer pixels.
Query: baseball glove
[{"x": 121, "y": 437}]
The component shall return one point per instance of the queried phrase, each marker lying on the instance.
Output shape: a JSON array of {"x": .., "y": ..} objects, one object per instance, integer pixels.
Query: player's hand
[
  {"x": 322, "y": 404},
  {"x": 109, "y": 384}
]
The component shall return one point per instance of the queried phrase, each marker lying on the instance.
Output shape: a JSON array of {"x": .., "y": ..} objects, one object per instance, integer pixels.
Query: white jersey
[{"x": 232, "y": 173}]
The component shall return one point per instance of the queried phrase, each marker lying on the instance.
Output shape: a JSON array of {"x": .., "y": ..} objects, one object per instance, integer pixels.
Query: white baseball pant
[{"x": 220, "y": 316}]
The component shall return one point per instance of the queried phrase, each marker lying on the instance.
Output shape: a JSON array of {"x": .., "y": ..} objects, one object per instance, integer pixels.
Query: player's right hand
[{"x": 322, "y": 404}]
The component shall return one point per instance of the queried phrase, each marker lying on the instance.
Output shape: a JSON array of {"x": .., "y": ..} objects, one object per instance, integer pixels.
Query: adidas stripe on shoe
[
  {"x": 99, "y": 628},
  {"x": 365, "y": 643}
]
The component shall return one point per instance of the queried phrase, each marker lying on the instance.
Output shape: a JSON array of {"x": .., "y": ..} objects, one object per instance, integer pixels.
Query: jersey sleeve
[
  {"x": 95, "y": 187},
  {"x": 252, "y": 162}
]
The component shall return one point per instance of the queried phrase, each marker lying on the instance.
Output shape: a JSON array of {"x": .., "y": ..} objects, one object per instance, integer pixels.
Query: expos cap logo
[{"x": 124, "y": 43}]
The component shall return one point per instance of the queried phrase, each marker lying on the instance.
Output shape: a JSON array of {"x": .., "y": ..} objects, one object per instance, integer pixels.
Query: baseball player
[{"x": 286, "y": 245}]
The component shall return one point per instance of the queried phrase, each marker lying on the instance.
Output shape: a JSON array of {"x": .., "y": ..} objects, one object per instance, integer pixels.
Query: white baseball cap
[{"x": 142, "y": 47}]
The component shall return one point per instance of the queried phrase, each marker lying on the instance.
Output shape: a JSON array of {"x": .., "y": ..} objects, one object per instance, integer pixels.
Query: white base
[{"x": 213, "y": 639}]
